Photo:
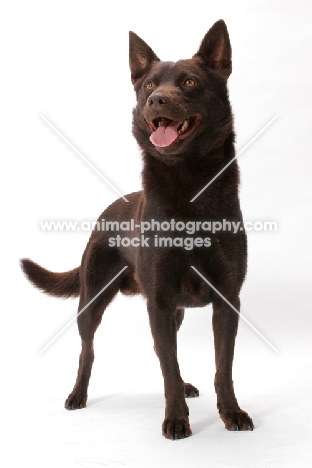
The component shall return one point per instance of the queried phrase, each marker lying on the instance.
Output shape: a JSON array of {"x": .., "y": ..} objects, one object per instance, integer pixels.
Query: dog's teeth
[{"x": 184, "y": 126}]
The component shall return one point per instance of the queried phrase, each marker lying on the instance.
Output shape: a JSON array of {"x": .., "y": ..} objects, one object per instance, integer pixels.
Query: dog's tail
[{"x": 57, "y": 284}]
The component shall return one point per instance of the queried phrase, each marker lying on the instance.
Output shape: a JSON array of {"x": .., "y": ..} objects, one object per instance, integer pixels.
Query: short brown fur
[{"x": 172, "y": 176}]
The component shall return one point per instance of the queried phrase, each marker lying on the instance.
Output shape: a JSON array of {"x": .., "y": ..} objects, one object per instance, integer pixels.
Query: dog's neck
[{"x": 172, "y": 185}]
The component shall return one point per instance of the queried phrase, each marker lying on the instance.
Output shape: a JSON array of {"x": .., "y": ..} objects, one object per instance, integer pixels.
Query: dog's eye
[
  {"x": 150, "y": 85},
  {"x": 189, "y": 82}
]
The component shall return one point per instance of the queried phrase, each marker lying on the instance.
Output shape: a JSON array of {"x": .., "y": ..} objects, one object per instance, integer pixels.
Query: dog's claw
[
  {"x": 75, "y": 401},
  {"x": 176, "y": 429},
  {"x": 237, "y": 421}
]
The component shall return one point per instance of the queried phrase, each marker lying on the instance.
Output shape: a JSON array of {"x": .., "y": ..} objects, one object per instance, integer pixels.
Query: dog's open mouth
[{"x": 166, "y": 131}]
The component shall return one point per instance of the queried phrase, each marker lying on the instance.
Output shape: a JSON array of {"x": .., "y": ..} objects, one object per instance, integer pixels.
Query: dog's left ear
[
  {"x": 215, "y": 49},
  {"x": 141, "y": 57}
]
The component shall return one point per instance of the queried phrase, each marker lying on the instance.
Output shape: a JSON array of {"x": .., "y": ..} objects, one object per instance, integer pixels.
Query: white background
[{"x": 69, "y": 61}]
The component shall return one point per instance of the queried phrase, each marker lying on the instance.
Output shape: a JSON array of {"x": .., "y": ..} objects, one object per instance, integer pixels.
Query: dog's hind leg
[
  {"x": 189, "y": 389},
  {"x": 97, "y": 270}
]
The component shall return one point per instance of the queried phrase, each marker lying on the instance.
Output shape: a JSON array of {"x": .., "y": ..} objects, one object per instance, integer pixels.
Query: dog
[{"x": 183, "y": 124}]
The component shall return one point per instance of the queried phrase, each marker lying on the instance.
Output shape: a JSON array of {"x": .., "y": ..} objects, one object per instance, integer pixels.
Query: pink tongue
[{"x": 165, "y": 135}]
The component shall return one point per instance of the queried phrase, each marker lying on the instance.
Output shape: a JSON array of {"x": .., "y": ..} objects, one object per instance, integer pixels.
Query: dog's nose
[{"x": 157, "y": 99}]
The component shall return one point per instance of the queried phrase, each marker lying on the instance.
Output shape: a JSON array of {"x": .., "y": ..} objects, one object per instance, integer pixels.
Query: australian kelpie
[{"x": 184, "y": 127}]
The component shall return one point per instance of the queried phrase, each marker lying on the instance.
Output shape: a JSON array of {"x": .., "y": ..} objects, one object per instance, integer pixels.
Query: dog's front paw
[
  {"x": 190, "y": 391},
  {"x": 237, "y": 421},
  {"x": 176, "y": 428},
  {"x": 76, "y": 401}
]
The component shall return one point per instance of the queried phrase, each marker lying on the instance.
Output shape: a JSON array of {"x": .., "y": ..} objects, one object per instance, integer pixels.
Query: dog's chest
[
  {"x": 168, "y": 273},
  {"x": 194, "y": 292}
]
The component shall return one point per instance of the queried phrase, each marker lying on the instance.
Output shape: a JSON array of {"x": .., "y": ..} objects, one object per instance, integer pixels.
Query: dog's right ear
[
  {"x": 141, "y": 57},
  {"x": 215, "y": 49}
]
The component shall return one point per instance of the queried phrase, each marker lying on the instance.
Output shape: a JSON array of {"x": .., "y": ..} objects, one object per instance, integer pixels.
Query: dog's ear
[
  {"x": 215, "y": 49},
  {"x": 141, "y": 57}
]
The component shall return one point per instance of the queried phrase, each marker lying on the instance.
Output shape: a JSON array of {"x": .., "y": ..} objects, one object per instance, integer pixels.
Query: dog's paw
[
  {"x": 190, "y": 391},
  {"x": 176, "y": 428},
  {"x": 75, "y": 401},
  {"x": 237, "y": 421}
]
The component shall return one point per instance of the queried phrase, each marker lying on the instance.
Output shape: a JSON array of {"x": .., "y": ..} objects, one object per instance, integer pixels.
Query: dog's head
[{"x": 182, "y": 106}]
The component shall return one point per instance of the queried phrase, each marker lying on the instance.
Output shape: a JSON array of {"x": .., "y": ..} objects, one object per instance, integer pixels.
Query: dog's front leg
[
  {"x": 225, "y": 323},
  {"x": 164, "y": 330}
]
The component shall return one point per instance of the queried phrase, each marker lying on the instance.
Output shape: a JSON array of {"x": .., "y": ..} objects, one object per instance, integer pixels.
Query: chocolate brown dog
[{"x": 184, "y": 126}]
